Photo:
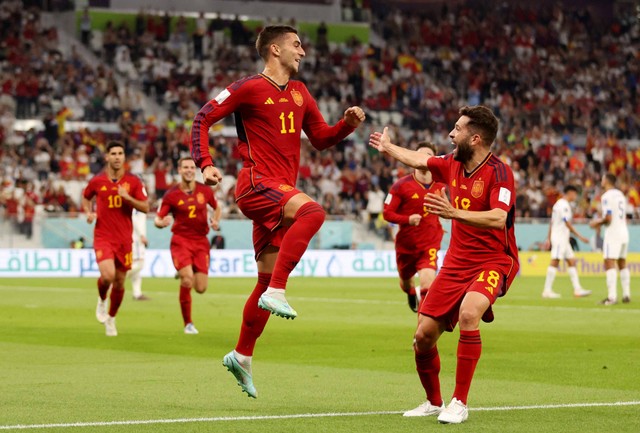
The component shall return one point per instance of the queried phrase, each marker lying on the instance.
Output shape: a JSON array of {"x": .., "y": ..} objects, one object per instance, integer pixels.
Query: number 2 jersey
[
  {"x": 191, "y": 219},
  {"x": 269, "y": 121},
  {"x": 489, "y": 186},
  {"x": 114, "y": 222}
]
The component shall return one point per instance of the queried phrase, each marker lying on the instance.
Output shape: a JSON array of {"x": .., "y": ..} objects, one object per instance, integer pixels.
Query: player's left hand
[
  {"x": 438, "y": 203},
  {"x": 354, "y": 116},
  {"x": 214, "y": 224}
]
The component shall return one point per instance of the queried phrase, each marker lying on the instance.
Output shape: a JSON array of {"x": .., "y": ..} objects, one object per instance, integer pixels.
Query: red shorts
[
  {"x": 264, "y": 205},
  {"x": 445, "y": 295},
  {"x": 120, "y": 253},
  {"x": 190, "y": 252},
  {"x": 409, "y": 264}
]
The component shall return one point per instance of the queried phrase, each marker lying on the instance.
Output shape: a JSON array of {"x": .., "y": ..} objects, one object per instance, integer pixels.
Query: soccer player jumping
[
  {"x": 482, "y": 258},
  {"x": 271, "y": 110}
]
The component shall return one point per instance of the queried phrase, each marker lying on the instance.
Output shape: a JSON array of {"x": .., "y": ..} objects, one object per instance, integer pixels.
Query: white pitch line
[
  {"x": 499, "y": 306},
  {"x": 297, "y": 416}
]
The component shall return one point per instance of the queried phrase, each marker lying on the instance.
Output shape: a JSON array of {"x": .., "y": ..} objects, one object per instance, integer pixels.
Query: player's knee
[
  {"x": 186, "y": 281},
  {"x": 469, "y": 318},
  {"x": 200, "y": 288},
  {"x": 312, "y": 214},
  {"x": 424, "y": 340}
]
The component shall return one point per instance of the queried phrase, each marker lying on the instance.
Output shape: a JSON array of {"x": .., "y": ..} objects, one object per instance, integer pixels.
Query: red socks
[
  {"x": 307, "y": 222},
  {"x": 103, "y": 288},
  {"x": 254, "y": 318},
  {"x": 428, "y": 368},
  {"x": 469, "y": 349},
  {"x": 185, "y": 304},
  {"x": 117, "y": 293}
]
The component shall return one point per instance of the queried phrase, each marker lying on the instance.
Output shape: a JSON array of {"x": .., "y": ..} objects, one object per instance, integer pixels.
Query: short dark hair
[
  {"x": 611, "y": 179},
  {"x": 184, "y": 158},
  {"x": 427, "y": 144},
  {"x": 270, "y": 34},
  {"x": 482, "y": 121},
  {"x": 114, "y": 143},
  {"x": 568, "y": 188}
]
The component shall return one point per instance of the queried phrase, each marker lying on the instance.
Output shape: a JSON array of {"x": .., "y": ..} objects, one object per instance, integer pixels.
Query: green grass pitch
[{"x": 344, "y": 365}]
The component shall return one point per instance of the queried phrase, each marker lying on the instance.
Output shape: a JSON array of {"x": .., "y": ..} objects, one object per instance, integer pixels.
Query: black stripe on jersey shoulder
[
  {"x": 242, "y": 81},
  {"x": 274, "y": 84},
  {"x": 499, "y": 167}
]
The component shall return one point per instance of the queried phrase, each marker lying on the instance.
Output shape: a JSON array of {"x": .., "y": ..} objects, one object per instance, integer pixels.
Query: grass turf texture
[{"x": 348, "y": 354}]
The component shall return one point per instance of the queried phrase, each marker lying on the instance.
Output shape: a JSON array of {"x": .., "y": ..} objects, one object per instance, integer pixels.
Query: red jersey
[
  {"x": 406, "y": 198},
  {"x": 488, "y": 187},
  {"x": 269, "y": 120},
  {"x": 189, "y": 210},
  {"x": 114, "y": 214}
]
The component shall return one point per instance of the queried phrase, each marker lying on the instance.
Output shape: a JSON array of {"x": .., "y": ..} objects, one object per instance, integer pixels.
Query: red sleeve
[
  {"x": 439, "y": 167},
  {"x": 321, "y": 135},
  {"x": 212, "y": 200},
  {"x": 213, "y": 111},
  {"x": 390, "y": 209},
  {"x": 502, "y": 194},
  {"x": 89, "y": 191},
  {"x": 139, "y": 192},
  {"x": 165, "y": 207}
]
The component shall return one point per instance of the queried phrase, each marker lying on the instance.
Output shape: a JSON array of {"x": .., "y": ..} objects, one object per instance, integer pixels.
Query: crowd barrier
[{"x": 32, "y": 263}]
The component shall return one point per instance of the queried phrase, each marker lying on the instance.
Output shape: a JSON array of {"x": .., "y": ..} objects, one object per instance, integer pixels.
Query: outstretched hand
[
  {"x": 380, "y": 141},
  {"x": 354, "y": 116}
]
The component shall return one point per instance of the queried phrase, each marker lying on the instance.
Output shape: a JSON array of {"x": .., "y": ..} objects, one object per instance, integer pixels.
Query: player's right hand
[
  {"x": 91, "y": 217},
  {"x": 414, "y": 219},
  {"x": 211, "y": 175}
]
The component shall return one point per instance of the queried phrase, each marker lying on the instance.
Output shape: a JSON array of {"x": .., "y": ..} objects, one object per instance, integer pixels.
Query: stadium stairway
[{"x": 63, "y": 22}]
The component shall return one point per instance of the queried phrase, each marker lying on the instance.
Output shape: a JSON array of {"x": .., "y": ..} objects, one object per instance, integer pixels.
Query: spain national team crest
[
  {"x": 126, "y": 186},
  {"x": 477, "y": 189},
  {"x": 285, "y": 188},
  {"x": 200, "y": 198},
  {"x": 297, "y": 98}
]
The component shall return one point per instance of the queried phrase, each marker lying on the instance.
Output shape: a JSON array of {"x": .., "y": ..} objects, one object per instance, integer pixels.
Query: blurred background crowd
[{"x": 563, "y": 83}]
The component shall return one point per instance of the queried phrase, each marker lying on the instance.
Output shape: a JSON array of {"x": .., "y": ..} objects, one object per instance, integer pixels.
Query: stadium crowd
[{"x": 563, "y": 83}]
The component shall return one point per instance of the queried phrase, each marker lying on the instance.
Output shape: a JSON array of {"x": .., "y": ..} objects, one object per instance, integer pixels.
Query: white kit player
[
  {"x": 616, "y": 240},
  {"x": 560, "y": 230},
  {"x": 138, "y": 250}
]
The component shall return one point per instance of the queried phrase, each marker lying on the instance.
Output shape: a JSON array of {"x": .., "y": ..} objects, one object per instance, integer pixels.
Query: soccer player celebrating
[
  {"x": 271, "y": 110},
  {"x": 418, "y": 240},
  {"x": 616, "y": 240},
  {"x": 116, "y": 193},
  {"x": 482, "y": 258},
  {"x": 187, "y": 202}
]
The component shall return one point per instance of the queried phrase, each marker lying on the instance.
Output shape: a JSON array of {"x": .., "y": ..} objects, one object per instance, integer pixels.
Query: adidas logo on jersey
[
  {"x": 269, "y": 101},
  {"x": 415, "y": 195}
]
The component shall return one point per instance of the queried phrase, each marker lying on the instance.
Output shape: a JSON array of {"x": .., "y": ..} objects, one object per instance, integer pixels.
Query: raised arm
[
  {"x": 382, "y": 143},
  {"x": 323, "y": 136},
  {"x": 213, "y": 111}
]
